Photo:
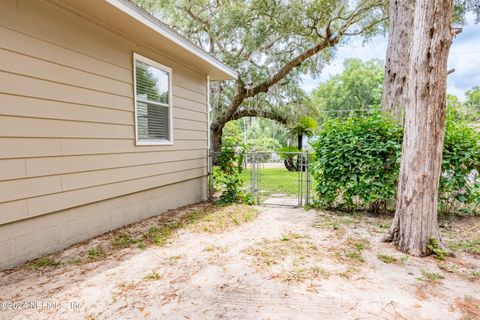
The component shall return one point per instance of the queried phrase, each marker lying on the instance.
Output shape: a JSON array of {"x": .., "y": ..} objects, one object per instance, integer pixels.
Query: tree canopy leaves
[
  {"x": 354, "y": 90},
  {"x": 270, "y": 43},
  {"x": 473, "y": 98}
]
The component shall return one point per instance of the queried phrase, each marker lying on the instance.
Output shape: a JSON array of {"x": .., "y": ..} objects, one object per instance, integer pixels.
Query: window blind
[{"x": 152, "y": 102}]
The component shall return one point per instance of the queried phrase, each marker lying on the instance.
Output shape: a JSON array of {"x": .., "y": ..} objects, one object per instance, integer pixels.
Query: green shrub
[
  {"x": 356, "y": 162},
  {"x": 228, "y": 175},
  {"x": 459, "y": 183}
]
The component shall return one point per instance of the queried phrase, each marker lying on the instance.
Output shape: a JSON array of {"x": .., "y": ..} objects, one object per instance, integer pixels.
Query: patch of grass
[
  {"x": 465, "y": 273},
  {"x": 358, "y": 244},
  {"x": 404, "y": 259},
  {"x": 430, "y": 276},
  {"x": 152, "y": 276},
  {"x": 76, "y": 261},
  {"x": 334, "y": 221},
  {"x": 384, "y": 225},
  {"x": 437, "y": 250},
  {"x": 387, "y": 258},
  {"x": 210, "y": 219},
  {"x": 160, "y": 235},
  {"x": 270, "y": 252},
  {"x": 123, "y": 240},
  {"x": 379, "y": 227},
  {"x": 44, "y": 262},
  {"x": 351, "y": 250},
  {"x": 347, "y": 274},
  {"x": 276, "y": 180},
  {"x": 141, "y": 245},
  {"x": 95, "y": 253},
  {"x": 223, "y": 218},
  {"x": 470, "y": 246},
  {"x": 354, "y": 255},
  {"x": 292, "y": 257},
  {"x": 303, "y": 274},
  {"x": 291, "y": 236}
]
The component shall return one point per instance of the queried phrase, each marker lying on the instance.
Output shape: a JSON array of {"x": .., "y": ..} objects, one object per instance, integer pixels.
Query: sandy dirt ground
[{"x": 284, "y": 263}]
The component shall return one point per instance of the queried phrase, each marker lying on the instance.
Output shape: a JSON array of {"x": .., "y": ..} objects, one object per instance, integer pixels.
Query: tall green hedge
[
  {"x": 357, "y": 160},
  {"x": 460, "y": 183}
]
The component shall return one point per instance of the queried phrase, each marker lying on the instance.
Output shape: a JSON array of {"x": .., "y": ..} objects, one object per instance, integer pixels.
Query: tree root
[{"x": 393, "y": 235}]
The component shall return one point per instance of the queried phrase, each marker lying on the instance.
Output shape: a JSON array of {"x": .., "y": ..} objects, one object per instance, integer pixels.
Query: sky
[{"x": 464, "y": 58}]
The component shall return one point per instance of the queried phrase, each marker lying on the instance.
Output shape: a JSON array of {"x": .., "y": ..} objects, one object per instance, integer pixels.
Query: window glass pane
[
  {"x": 152, "y": 122},
  {"x": 152, "y": 83}
]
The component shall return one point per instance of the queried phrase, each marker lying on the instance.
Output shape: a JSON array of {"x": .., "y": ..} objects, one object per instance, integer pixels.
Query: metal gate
[{"x": 276, "y": 178}]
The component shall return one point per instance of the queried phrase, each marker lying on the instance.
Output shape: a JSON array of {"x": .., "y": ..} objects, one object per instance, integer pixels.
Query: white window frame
[{"x": 137, "y": 57}]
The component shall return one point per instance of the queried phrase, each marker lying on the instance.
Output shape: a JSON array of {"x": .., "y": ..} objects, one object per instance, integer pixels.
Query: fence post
[
  {"x": 258, "y": 177},
  {"x": 252, "y": 175},
  {"x": 301, "y": 168},
  {"x": 210, "y": 175},
  {"x": 307, "y": 178}
]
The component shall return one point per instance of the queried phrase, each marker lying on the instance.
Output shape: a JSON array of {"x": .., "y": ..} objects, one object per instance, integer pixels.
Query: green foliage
[
  {"x": 260, "y": 134},
  {"x": 459, "y": 183},
  {"x": 436, "y": 249},
  {"x": 95, "y": 253},
  {"x": 471, "y": 246},
  {"x": 123, "y": 240},
  {"x": 259, "y": 38},
  {"x": 473, "y": 97},
  {"x": 356, "y": 162},
  {"x": 387, "y": 258},
  {"x": 44, "y": 262},
  {"x": 467, "y": 111},
  {"x": 460, "y": 9},
  {"x": 357, "y": 88},
  {"x": 302, "y": 126},
  {"x": 229, "y": 173},
  {"x": 305, "y": 125},
  {"x": 428, "y": 276},
  {"x": 472, "y": 104},
  {"x": 285, "y": 152},
  {"x": 276, "y": 180}
]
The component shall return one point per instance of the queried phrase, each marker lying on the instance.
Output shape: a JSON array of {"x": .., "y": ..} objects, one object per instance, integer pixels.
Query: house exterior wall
[{"x": 68, "y": 158}]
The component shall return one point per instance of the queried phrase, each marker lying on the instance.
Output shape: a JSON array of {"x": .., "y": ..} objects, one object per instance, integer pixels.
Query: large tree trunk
[
  {"x": 216, "y": 136},
  {"x": 401, "y": 14},
  {"x": 415, "y": 222}
]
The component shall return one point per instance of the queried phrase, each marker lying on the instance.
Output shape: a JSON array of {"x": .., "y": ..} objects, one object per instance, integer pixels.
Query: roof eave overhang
[{"x": 127, "y": 18}]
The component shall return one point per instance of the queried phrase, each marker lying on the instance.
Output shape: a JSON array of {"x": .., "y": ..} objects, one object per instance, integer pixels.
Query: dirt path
[{"x": 285, "y": 264}]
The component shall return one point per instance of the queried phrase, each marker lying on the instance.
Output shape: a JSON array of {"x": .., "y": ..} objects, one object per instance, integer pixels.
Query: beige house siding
[
  {"x": 29, "y": 238},
  {"x": 67, "y": 133}
]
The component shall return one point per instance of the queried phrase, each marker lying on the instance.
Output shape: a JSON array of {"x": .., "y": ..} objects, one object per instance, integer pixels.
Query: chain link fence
[{"x": 271, "y": 177}]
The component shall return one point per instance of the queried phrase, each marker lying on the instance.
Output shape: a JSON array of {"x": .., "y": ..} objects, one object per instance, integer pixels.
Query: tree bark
[
  {"x": 300, "y": 141},
  {"x": 401, "y": 14},
  {"x": 415, "y": 222},
  {"x": 216, "y": 143}
]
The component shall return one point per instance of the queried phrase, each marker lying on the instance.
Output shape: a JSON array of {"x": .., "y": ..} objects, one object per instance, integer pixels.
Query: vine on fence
[{"x": 228, "y": 175}]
